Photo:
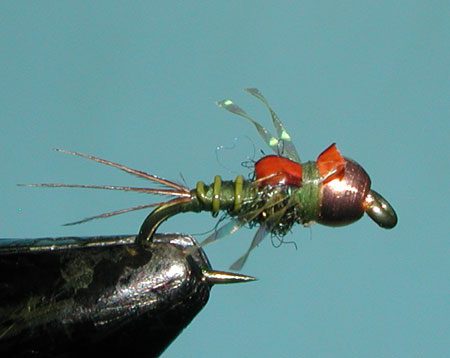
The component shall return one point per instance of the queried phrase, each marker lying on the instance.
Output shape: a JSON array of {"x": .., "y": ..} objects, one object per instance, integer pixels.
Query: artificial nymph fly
[{"x": 332, "y": 190}]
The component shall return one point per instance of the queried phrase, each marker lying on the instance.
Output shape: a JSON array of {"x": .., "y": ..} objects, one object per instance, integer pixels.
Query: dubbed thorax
[{"x": 271, "y": 206}]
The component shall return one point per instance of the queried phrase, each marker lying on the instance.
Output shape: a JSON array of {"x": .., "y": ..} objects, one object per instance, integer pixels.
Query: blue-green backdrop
[{"x": 136, "y": 82}]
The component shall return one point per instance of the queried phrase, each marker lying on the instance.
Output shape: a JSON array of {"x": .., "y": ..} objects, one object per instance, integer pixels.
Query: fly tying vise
[{"x": 333, "y": 191}]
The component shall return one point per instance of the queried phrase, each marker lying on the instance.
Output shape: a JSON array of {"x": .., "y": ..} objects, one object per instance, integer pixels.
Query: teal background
[{"x": 136, "y": 82}]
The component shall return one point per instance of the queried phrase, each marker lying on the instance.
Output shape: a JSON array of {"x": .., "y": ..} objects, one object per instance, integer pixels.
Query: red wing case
[
  {"x": 331, "y": 164},
  {"x": 275, "y": 170}
]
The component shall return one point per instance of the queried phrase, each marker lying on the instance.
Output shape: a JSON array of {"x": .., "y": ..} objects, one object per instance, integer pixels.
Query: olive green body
[
  {"x": 328, "y": 202},
  {"x": 277, "y": 206},
  {"x": 228, "y": 196}
]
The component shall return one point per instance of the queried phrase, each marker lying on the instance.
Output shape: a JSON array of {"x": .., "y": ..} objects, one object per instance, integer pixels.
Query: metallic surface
[
  {"x": 103, "y": 295},
  {"x": 342, "y": 200},
  {"x": 380, "y": 211}
]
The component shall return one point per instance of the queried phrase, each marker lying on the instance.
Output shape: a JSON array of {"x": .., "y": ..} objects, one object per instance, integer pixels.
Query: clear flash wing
[
  {"x": 284, "y": 139},
  {"x": 289, "y": 149},
  {"x": 228, "y": 229},
  {"x": 270, "y": 140},
  {"x": 259, "y": 236}
]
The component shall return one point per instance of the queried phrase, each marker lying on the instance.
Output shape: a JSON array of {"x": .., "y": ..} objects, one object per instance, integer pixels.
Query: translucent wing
[
  {"x": 265, "y": 228},
  {"x": 284, "y": 139},
  {"x": 259, "y": 236},
  {"x": 289, "y": 149},
  {"x": 270, "y": 140},
  {"x": 228, "y": 229},
  {"x": 234, "y": 225}
]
